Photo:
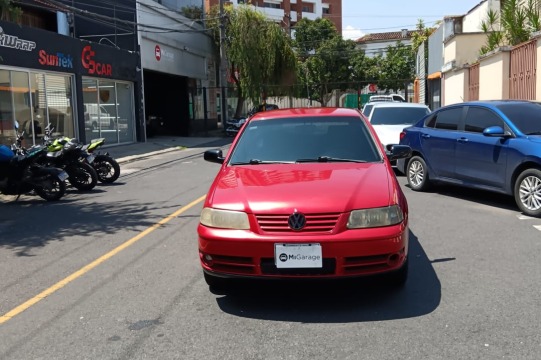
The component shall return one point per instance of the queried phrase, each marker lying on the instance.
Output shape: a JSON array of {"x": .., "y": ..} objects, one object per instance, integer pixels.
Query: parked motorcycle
[
  {"x": 22, "y": 174},
  {"x": 106, "y": 166},
  {"x": 68, "y": 156}
]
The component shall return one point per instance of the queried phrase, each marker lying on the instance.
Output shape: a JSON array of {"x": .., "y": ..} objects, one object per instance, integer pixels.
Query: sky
[{"x": 361, "y": 17}]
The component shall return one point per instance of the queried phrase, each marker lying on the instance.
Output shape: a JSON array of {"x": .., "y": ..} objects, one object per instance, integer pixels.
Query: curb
[{"x": 127, "y": 159}]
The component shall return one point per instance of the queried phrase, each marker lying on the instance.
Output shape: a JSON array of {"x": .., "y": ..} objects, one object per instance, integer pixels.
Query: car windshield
[
  {"x": 525, "y": 116},
  {"x": 305, "y": 139},
  {"x": 397, "y": 115}
]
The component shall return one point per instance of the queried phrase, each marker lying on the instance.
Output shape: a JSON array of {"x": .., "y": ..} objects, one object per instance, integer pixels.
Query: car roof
[
  {"x": 306, "y": 112},
  {"x": 492, "y": 102},
  {"x": 399, "y": 104}
]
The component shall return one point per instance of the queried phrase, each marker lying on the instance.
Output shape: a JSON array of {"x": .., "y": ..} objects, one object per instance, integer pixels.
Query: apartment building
[{"x": 288, "y": 12}]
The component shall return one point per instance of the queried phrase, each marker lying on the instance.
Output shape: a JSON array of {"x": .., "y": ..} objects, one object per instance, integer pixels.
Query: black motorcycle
[
  {"x": 21, "y": 174},
  {"x": 69, "y": 156}
]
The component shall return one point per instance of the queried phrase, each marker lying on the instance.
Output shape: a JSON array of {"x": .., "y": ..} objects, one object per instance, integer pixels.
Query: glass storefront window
[
  {"x": 21, "y": 104},
  {"x": 108, "y": 110},
  {"x": 34, "y": 100},
  {"x": 7, "y": 132},
  {"x": 59, "y": 104},
  {"x": 39, "y": 106},
  {"x": 126, "y": 121},
  {"x": 108, "y": 114}
]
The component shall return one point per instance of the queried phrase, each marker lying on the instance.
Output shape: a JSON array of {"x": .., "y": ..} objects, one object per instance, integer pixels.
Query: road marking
[
  {"x": 526, "y": 217},
  {"x": 59, "y": 285},
  {"x": 538, "y": 227}
]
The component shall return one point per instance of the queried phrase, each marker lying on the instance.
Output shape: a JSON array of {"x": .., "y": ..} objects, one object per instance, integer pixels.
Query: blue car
[{"x": 489, "y": 145}]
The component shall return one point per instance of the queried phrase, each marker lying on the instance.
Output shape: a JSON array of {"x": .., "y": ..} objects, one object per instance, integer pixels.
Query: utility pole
[{"x": 223, "y": 66}]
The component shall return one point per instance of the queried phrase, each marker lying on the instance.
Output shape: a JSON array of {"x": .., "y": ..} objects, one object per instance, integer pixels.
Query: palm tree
[{"x": 513, "y": 25}]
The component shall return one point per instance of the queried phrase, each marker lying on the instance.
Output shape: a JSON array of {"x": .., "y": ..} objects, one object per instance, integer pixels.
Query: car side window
[
  {"x": 448, "y": 119},
  {"x": 431, "y": 121},
  {"x": 479, "y": 119}
]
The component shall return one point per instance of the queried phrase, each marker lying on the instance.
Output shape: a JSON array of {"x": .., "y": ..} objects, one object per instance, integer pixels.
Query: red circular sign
[
  {"x": 372, "y": 88},
  {"x": 158, "y": 52}
]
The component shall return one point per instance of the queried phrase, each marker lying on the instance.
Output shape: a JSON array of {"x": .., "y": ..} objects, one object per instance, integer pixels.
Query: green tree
[
  {"x": 258, "y": 50},
  {"x": 310, "y": 34},
  {"x": 329, "y": 68},
  {"x": 324, "y": 59},
  {"x": 421, "y": 35},
  {"x": 9, "y": 12},
  {"x": 517, "y": 20},
  {"x": 365, "y": 69},
  {"x": 397, "y": 67}
]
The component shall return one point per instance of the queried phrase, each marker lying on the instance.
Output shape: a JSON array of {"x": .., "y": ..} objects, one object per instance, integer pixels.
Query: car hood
[
  {"x": 535, "y": 138},
  {"x": 308, "y": 188},
  {"x": 389, "y": 134}
]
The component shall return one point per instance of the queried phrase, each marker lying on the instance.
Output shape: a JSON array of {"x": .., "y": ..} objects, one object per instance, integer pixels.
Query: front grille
[
  {"x": 269, "y": 268},
  {"x": 314, "y": 223}
]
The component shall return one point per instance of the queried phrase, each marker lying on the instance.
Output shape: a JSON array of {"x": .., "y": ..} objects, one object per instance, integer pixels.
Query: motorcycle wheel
[
  {"x": 107, "y": 168},
  {"x": 82, "y": 176},
  {"x": 53, "y": 190}
]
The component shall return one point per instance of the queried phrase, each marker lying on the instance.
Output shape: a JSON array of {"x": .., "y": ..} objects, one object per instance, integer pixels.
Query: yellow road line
[{"x": 59, "y": 285}]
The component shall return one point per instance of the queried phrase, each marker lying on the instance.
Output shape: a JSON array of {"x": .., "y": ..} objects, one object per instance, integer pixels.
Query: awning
[{"x": 435, "y": 75}]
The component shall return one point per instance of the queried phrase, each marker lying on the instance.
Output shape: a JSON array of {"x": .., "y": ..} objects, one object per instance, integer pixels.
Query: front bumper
[{"x": 351, "y": 253}]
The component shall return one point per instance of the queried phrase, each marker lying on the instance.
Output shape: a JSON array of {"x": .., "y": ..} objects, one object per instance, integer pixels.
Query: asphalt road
[{"x": 73, "y": 293}]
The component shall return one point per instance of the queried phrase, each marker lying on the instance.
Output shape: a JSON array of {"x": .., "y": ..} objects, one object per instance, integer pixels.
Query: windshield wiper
[
  {"x": 259, "y": 162},
  {"x": 534, "y": 133},
  {"x": 329, "y": 159}
]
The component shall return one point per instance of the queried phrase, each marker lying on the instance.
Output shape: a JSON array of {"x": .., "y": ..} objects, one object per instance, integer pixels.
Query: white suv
[{"x": 390, "y": 118}]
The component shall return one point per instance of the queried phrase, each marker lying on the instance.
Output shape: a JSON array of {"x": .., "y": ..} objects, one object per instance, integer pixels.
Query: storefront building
[
  {"x": 178, "y": 70},
  {"x": 81, "y": 89}
]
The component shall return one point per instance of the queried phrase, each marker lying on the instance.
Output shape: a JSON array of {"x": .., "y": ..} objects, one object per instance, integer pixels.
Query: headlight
[
  {"x": 377, "y": 217},
  {"x": 224, "y": 219}
]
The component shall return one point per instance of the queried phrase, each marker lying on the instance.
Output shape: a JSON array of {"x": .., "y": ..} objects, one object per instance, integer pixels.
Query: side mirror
[
  {"x": 398, "y": 152},
  {"x": 16, "y": 125},
  {"x": 215, "y": 156},
  {"x": 495, "y": 131}
]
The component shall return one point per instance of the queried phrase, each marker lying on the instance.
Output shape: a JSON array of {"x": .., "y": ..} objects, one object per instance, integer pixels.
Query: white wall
[{"x": 454, "y": 84}]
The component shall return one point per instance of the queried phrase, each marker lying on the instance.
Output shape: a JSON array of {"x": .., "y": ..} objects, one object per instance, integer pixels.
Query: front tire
[
  {"x": 417, "y": 174},
  {"x": 53, "y": 190},
  {"x": 527, "y": 192},
  {"x": 106, "y": 168},
  {"x": 82, "y": 176}
]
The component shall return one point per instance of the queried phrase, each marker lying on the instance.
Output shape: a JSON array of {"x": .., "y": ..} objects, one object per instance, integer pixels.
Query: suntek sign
[
  {"x": 59, "y": 59},
  {"x": 94, "y": 67}
]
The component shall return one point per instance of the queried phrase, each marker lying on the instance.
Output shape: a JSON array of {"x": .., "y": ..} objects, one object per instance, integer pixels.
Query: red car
[{"x": 305, "y": 193}]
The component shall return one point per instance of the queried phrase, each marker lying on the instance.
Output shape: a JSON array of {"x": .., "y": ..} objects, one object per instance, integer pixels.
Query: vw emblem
[{"x": 296, "y": 221}]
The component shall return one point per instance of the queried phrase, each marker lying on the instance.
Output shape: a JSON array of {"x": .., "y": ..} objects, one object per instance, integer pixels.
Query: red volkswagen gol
[{"x": 305, "y": 193}]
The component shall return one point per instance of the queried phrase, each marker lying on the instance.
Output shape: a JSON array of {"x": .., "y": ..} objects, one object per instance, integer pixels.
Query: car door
[
  {"x": 438, "y": 141},
  {"x": 481, "y": 159}
]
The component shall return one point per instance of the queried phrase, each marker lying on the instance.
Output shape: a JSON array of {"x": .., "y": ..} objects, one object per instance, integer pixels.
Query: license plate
[
  {"x": 289, "y": 256},
  {"x": 63, "y": 176}
]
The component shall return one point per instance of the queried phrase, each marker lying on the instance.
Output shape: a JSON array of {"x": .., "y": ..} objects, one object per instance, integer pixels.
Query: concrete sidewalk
[{"x": 162, "y": 144}]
